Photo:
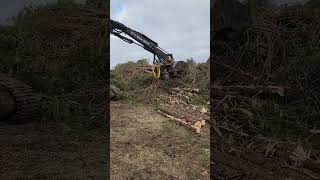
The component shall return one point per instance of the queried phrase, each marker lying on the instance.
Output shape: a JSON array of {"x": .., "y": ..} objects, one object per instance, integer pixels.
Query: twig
[{"x": 303, "y": 171}]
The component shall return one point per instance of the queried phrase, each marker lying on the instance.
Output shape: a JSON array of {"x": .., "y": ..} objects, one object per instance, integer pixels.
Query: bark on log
[
  {"x": 250, "y": 90},
  {"x": 188, "y": 117},
  {"x": 179, "y": 121}
]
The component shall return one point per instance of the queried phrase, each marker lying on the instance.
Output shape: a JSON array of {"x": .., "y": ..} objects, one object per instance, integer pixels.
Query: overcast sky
[{"x": 178, "y": 26}]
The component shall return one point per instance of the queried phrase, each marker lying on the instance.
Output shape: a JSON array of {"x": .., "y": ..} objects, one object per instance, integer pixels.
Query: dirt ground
[
  {"x": 145, "y": 145},
  {"x": 34, "y": 152},
  {"x": 259, "y": 158},
  {"x": 252, "y": 165}
]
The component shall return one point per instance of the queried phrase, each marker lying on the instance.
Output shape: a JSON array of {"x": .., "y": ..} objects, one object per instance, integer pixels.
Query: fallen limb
[
  {"x": 187, "y": 116},
  {"x": 304, "y": 171},
  {"x": 180, "y": 121},
  {"x": 235, "y": 131},
  {"x": 251, "y": 90}
]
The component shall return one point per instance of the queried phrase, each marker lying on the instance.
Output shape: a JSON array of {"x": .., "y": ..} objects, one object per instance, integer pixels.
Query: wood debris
[{"x": 176, "y": 106}]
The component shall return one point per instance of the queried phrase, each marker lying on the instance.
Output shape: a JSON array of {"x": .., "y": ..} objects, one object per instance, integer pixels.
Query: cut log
[
  {"x": 251, "y": 90},
  {"x": 182, "y": 117},
  {"x": 179, "y": 121},
  {"x": 174, "y": 112}
]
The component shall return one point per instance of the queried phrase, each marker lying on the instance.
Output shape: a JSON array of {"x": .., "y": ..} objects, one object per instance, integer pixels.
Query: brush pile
[
  {"x": 61, "y": 51},
  {"x": 55, "y": 51},
  {"x": 278, "y": 62},
  {"x": 176, "y": 99},
  {"x": 176, "y": 105},
  {"x": 266, "y": 84}
]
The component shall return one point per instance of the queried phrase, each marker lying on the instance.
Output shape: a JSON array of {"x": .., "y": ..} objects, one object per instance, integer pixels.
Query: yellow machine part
[{"x": 156, "y": 70}]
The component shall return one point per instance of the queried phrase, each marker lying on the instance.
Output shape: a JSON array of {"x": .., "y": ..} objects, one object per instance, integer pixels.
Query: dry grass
[{"x": 145, "y": 145}]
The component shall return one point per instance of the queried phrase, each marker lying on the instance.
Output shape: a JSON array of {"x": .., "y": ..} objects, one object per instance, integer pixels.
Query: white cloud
[{"x": 179, "y": 27}]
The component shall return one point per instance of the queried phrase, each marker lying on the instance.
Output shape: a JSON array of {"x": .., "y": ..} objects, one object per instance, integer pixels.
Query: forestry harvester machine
[{"x": 164, "y": 66}]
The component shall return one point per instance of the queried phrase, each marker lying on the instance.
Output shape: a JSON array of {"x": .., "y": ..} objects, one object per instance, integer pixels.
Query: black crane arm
[{"x": 164, "y": 58}]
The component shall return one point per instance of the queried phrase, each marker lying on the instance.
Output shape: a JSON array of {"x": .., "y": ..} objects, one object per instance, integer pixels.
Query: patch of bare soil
[
  {"x": 145, "y": 145},
  {"x": 30, "y": 151}
]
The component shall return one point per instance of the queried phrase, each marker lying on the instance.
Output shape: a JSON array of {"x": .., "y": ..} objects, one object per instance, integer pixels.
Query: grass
[{"x": 155, "y": 147}]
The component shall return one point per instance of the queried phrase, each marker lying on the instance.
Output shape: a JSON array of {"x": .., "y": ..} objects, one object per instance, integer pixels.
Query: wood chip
[
  {"x": 198, "y": 124},
  {"x": 203, "y": 110},
  {"x": 203, "y": 122},
  {"x": 198, "y": 129}
]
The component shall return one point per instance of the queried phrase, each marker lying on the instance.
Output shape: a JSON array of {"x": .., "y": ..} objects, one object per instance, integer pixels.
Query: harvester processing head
[{"x": 175, "y": 70}]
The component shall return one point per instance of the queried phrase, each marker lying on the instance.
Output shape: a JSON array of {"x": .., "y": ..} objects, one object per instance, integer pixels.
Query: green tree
[
  {"x": 142, "y": 62},
  {"x": 96, "y": 3}
]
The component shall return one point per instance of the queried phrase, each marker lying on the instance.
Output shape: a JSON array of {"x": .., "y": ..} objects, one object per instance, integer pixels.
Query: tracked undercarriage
[{"x": 18, "y": 102}]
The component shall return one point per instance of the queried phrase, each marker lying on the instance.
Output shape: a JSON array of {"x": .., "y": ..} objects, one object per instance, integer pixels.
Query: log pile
[
  {"x": 175, "y": 105},
  {"x": 137, "y": 69},
  {"x": 145, "y": 68}
]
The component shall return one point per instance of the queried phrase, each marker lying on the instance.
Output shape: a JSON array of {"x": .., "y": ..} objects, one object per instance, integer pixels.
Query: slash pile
[
  {"x": 175, "y": 104},
  {"x": 265, "y": 99}
]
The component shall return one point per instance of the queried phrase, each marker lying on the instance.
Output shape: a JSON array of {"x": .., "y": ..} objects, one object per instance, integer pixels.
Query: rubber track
[{"x": 27, "y": 102}]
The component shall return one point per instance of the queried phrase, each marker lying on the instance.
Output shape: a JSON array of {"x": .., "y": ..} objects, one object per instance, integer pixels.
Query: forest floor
[
  {"x": 35, "y": 151},
  {"x": 145, "y": 145}
]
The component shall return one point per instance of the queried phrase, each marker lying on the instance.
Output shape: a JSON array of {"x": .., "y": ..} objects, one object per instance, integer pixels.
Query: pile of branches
[
  {"x": 277, "y": 60},
  {"x": 61, "y": 52},
  {"x": 175, "y": 98},
  {"x": 54, "y": 31},
  {"x": 266, "y": 84},
  {"x": 88, "y": 104},
  {"x": 172, "y": 98},
  {"x": 175, "y": 104},
  {"x": 58, "y": 49}
]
